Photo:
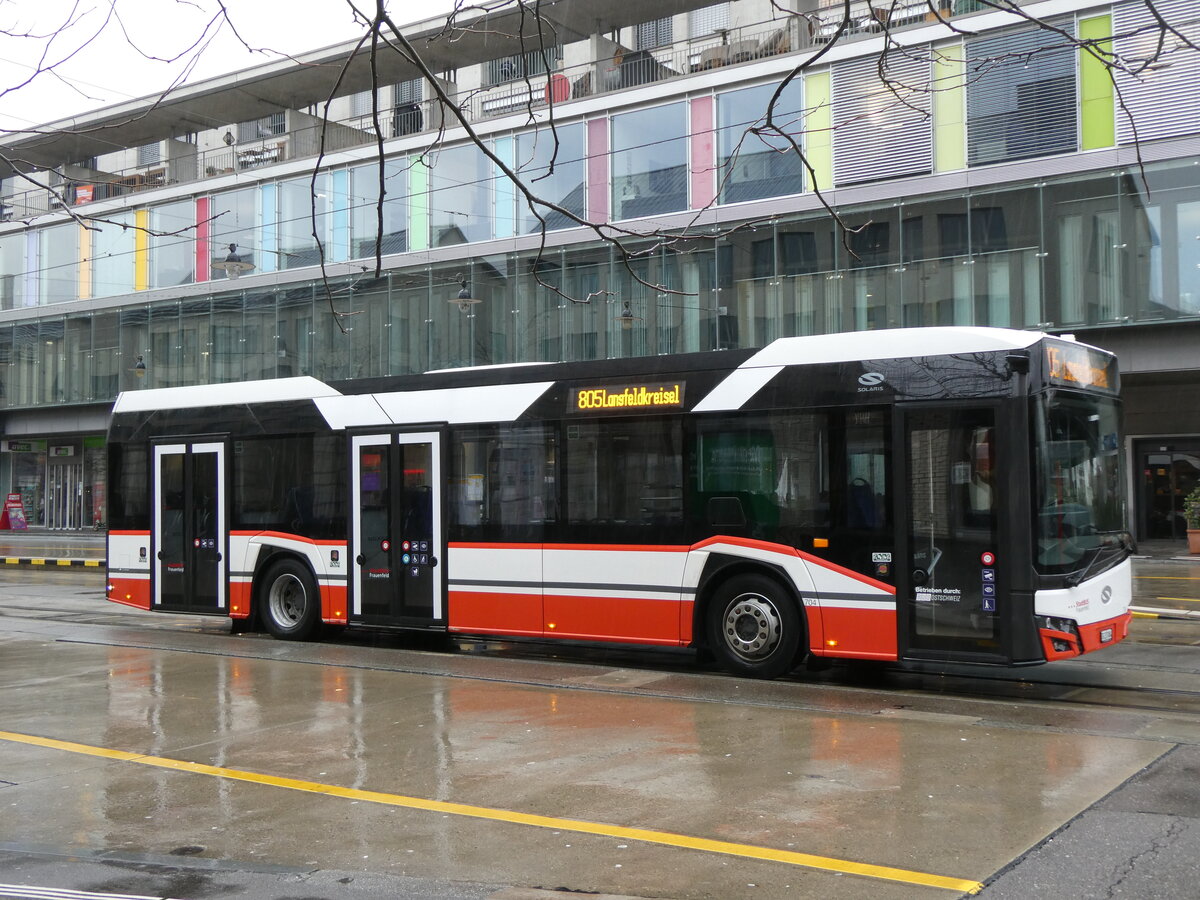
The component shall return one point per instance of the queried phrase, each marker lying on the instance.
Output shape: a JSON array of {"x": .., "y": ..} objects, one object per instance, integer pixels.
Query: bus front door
[
  {"x": 951, "y": 593},
  {"x": 189, "y": 528},
  {"x": 397, "y": 529}
]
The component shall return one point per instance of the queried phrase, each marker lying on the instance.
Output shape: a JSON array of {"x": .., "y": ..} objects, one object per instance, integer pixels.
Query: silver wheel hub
[
  {"x": 751, "y": 626},
  {"x": 287, "y": 600}
]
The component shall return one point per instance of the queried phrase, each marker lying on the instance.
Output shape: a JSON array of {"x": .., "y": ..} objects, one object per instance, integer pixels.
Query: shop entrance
[
  {"x": 64, "y": 496},
  {"x": 1169, "y": 472}
]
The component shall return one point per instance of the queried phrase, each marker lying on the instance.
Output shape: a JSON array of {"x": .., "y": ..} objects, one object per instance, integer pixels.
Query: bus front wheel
[
  {"x": 291, "y": 607},
  {"x": 754, "y": 627}
]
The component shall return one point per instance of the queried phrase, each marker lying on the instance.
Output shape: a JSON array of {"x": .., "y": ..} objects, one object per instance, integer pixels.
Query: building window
[
  {"x": 59, "y": 269},
  {"x": 752, "y": 166},
  {"x": 360, "y": 103},
  {"x": 408, "y": 91},
  {"x": 1021, "y": 96},
  {"x": 710, "y": 20},
  {"x": 649, "y": 161},
  {"x": 149, "y": 154},
  {"x": 654, "y": 34},
  {"x": 522, "y": 65},
  {"x": 364, "y": 209},
  {"x": 235, "y": 220},
  {"x": 460, "y": 198},
  {"x": 172, "y": 251},
  {"x": 258, "y": 129},
  {"x": 563, "y": 185},
  {"x": 300, "y": 203},
  {"x": 12, "y": 271},
  {"x": 113, "y": 246},
  {"x": 407, "y": 115}
]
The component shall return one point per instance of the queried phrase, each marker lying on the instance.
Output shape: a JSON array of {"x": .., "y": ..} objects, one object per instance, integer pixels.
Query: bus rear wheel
[
  {"x": 291, "y": 607},
  {"x": 754, "y": 627}
]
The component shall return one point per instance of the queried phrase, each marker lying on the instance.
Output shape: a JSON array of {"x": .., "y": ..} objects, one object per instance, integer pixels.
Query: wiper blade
[{"x": 1124, "y": 547}]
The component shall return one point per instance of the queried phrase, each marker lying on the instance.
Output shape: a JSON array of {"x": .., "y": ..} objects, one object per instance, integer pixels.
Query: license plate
[{"x": 1106, "y": 635}]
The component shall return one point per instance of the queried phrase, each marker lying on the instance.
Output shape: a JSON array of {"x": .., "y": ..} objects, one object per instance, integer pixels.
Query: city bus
[{"x": 925, "y": 494}]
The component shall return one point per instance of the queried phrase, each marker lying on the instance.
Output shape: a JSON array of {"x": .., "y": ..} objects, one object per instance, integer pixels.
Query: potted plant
[{"x": 1191, "y": 516}]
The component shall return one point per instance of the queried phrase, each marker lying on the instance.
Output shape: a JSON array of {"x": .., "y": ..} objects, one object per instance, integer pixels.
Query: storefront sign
[
  {"x": 21, "y": 447},
  {"x": 13, "y": 517},
  {"x": 62, "y": 451}
]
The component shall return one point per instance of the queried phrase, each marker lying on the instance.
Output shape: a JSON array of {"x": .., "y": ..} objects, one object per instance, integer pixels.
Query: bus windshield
[{"x": 1079, "y": 503}]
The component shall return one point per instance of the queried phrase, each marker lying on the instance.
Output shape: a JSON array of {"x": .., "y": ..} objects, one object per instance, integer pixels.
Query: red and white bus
[{"x": 917, "y": 494}]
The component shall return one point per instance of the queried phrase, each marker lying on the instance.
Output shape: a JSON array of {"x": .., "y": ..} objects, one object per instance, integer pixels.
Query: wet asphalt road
[{"x": 646, "y": 775}]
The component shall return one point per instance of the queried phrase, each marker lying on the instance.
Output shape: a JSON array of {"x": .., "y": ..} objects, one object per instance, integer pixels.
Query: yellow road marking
[
  {"x": 1142, "y": 615},
  {"x": 1166, "y": 578},
  {"x": 1184, "y": 599},
  {"x": 665, "y": 838}
]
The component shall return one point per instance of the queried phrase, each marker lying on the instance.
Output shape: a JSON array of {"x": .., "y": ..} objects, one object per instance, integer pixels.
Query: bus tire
[
  {"x": 290, "y": 604},
  {"x": 754, "y": 627}
]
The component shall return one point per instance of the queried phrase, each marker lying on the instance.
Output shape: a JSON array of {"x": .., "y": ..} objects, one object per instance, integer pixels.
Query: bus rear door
[
  {"x": 397, "y": 529},
  {"x": 190, "y": 529},
  {"x": 952, "y": 591}
]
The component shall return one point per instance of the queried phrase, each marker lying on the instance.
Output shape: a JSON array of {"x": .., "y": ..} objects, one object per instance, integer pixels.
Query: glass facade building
[{"x": 992, "y": 179}]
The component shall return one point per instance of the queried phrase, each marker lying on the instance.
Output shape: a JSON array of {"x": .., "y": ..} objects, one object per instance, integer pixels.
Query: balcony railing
[{"x": 625, "y": 69}]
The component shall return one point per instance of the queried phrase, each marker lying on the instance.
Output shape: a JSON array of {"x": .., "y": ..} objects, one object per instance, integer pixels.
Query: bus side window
[
  {"x": 625, "y": 473},
  {"x": 503, "y": 478}
]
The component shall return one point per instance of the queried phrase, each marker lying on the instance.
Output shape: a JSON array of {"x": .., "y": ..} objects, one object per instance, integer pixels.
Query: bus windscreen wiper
[{"x": 1124, "y": 545}]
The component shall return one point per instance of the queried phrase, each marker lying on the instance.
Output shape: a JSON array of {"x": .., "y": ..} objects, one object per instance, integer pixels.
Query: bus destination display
[{"x": 626, "y": 397}]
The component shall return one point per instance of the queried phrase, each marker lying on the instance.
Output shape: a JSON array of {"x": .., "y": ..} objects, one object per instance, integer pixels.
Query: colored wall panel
[
  {"x": 818, "y": 128},
  {"x": 949, "y": 110},
  {"x": 203, "y": 240},
  {"x": 418, "y": 206},
  {"x": 597, "y": 170},
  {"x": 1097, "y": 112},
  {"x": 702, "y": 169},
  {"x": 85, "y": 263},
  {"x": 506, "y": 192},
  {"x": 141, "y": 250}
]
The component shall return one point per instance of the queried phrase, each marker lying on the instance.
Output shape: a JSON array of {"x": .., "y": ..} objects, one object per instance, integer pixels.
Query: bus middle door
[
  {"x": 397, "y": 529},
  {"x": 189, "y": 528}
]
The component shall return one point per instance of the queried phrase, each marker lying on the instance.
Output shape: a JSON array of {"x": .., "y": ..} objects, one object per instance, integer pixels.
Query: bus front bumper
[{"x": 1063, "y": 638}]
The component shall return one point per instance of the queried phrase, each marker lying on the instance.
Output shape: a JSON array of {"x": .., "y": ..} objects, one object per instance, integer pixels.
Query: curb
[{"x": 51, "y": 562}]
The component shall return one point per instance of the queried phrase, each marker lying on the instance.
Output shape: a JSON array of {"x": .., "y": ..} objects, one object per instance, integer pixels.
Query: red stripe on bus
[
  {"x": 479, "y": 545},
  {"x": 753, "y": 544},
  {"x": 622, "y": 548},
  {"x": 288, "y": 537},
  {"x": 129, "y": 533},
  {"x": 749, "y": 543}
]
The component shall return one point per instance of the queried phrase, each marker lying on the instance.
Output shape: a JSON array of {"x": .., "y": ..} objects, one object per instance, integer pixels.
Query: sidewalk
[
  {"x": 39, "y": 547},
  {"x": 1164, "y": 550}
]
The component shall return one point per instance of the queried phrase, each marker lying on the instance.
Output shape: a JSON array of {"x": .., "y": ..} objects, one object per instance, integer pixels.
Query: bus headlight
[{"x": 1053, "y": 623}]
